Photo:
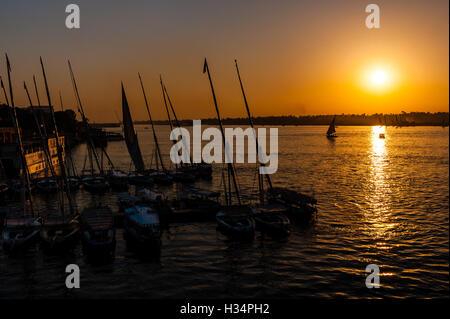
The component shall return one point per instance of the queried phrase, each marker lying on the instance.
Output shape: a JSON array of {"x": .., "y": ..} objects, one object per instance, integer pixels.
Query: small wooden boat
[
  {"x": 182, "y": 176},
  {"x": 160, "y": 177},
  {"x": 236, "y": 221},
  {"x": 117, "y": 179},
  {"x": 126, "y": 200},
  {"x": 20, "y": 233},
  {"x": 271, "y": 219},
  {"x": 74, "y": 182},
  {"x": 98, "y": 234},
  {"x": 140, "y": 179},
  {"x": 95, "y": 184},
  {"x": 47, "y": 185},
  {"x": 142, "y": 226},
  {"x": 301, "y": 207},
  {"x": 150, "y": 195},
  {"x": 193, "y": 205},
  {"x": 58, "y": 232}
]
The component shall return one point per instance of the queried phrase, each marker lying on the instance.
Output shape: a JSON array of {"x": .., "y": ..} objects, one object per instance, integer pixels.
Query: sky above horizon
[{"x": 295, "y": 57}]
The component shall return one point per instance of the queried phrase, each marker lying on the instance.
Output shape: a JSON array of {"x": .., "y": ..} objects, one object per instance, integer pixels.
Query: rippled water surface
[{"x": 380, "y": 201}]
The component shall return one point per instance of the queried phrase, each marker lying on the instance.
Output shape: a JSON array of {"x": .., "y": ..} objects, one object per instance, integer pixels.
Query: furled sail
[{"x": 130, "y": 135}]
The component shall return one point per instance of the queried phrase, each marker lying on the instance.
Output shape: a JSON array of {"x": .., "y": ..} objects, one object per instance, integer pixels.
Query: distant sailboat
[{"x": 331, "y": 133}]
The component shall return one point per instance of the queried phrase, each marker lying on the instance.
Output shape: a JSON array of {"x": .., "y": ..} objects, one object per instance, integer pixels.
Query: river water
[{"x": 380, "y": 201}]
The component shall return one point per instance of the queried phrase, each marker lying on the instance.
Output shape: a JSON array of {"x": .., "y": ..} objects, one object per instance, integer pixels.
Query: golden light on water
[
  {"x": 378, "y": 214},
  {"x": 378, "y": 144}
]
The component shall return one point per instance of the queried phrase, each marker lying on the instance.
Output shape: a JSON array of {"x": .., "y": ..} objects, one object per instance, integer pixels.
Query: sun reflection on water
[{"x": 380, "y": 225}]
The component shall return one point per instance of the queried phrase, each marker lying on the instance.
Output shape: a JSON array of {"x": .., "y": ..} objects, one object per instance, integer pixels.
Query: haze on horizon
[{"x": 295, "y": 57}]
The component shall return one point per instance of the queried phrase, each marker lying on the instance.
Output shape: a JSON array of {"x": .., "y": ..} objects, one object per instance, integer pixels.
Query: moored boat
[
  {"x": 47, "y": 185},
  {"x": 142, "y": 226},
  {"x": 236, "y": 222},
  {"x": 301, "y": 207},
  {"x": 117, "y": 179},
  {"x": 271, "y": 219},
  {"x": 194, "y": 205},
  {"x": 59, "y": 232},
  {"x": 95, "y": 184},
  {"x": 98, "y": 234},
  {"x": 20, "y": 233},
  {"x": 74, "y": 182},
  {"x": 139, "y": 179}
]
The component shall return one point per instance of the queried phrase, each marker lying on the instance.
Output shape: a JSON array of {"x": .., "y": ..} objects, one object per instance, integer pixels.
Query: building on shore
[{"x": 34, "y": 154}]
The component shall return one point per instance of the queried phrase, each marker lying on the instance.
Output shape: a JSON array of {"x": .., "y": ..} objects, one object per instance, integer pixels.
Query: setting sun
[{"x": 379, "y": 78}]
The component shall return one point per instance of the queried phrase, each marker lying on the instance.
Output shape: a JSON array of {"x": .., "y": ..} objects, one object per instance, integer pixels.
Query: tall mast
[
  {"x": 91, "y": 147},
  {"x": 61, "y": 102},
  {"x": 230, "y": 165},
  {"x": 151, "y": 122},
  {"x": 269, "y": 182},
  {"x": 44, "y": 144},
  {"x": 64, "y": 180},
  {"x": 4, "y": 91},
  {"x": 43, "y": 137},
  {"x": 164, "y": 93},
  {"x": 25, "y": 172},
  {"x": 174, "y": 115}
]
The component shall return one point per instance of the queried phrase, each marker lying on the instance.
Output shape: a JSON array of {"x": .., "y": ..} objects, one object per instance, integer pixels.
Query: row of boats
[{"x": 143, "y": 212}]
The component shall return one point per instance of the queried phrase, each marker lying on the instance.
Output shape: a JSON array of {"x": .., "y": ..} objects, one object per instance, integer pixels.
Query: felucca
[
  {"x": 20, "y": 232},
  {"x": 234, "y": 220},
  {"x": 300, "y": 207},
  {"x": 331, "y": 132},
  {"x": 60, "y": 230}
]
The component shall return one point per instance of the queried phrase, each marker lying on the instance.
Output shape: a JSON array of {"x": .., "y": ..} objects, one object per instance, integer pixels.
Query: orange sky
[{"x": 296, "y": 57}]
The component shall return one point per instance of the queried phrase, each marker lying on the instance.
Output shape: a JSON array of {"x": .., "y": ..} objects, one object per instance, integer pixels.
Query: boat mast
[
  {"x": 158, "y": 151},
  {"x": 4, "y": 91},
  {"x": 260, "y": 179},
  {"x": 64, "y": 180},
  {"x": 230, "y": 165},
  {"x": 25, "y": 171},
  {"x": 90, "y": 144},
  {"x": 168, "y": 113},
  {"x": 175, "y": 116}
]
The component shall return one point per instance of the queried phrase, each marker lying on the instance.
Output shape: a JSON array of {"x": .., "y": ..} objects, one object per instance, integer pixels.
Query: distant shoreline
[{"x": 399, "y": 120}]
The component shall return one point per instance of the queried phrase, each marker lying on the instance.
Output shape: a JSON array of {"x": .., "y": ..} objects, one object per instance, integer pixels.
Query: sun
[{"x": 379, "y": 78}]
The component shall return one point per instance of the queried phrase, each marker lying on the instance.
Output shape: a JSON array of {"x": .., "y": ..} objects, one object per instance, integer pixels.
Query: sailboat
[
  {"x": 296, "y": 205},
  {"x": 159, "y": 176},
  {"x": 331, "y": 132},
  {"x": 20, "y": 232},
  {"x": 92, "y": 182},
  {"x": 234, "y": 220},
  {"x": 141, "y": 221},
  {"x": 185, "y": 172},
  {"x": 269, "y": 218},
  {"x": 137, "y": 177},
  {"x": 61, "y": 230}
]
